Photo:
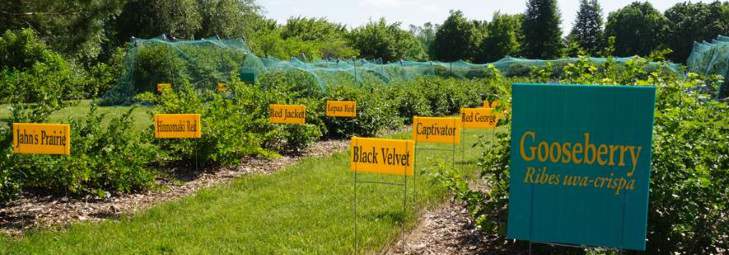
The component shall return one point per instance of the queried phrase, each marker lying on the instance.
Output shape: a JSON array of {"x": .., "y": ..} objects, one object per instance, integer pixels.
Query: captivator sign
[
  {"x": 437, "y": 130},
  {"x": 580, "y": 164}
]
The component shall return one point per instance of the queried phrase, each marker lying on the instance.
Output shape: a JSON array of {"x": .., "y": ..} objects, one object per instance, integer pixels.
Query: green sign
[{"x": 580, "y": 164}]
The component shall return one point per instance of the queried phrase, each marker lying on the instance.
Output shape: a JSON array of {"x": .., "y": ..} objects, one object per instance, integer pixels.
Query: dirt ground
[{"x": 449, "y": 229}]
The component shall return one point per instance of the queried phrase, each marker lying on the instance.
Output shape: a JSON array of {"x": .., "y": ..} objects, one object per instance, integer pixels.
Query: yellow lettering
[{"x": 521, "y": 146}]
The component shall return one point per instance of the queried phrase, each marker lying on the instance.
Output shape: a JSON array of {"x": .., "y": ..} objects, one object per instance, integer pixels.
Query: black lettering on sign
[{"x": 362, "y": 156}]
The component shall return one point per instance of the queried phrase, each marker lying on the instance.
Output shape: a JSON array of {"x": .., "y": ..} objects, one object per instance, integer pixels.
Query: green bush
[
  {"x": 292, "y": 87},
  {"x": 103, "y": 160},
  {"x": 155, "y": 64},
  {"x": 228, "y": 126},
  {"x": 409, "y": 101},
  {"x": 22, "y": 49},
  {"x": 29, "y": 71},
  {"x": 103, "y": 76},
  {"x": 9, "y": 186},
  {"x": 374, "y": 112}
]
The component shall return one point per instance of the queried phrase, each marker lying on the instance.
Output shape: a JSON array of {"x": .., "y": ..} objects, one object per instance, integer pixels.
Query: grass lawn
[
  {"x": 81, "y": 108},
  {"x": 303, "y": 209}
]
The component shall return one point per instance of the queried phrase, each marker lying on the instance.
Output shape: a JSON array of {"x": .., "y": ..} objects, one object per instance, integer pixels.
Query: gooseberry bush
[{"x": 689, "y": 188}]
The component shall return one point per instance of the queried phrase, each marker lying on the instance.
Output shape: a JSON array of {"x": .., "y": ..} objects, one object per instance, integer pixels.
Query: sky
[{"x": 355, "y": 13}]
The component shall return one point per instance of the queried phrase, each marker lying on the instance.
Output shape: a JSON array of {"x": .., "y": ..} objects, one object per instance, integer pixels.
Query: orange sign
[
  {"x": 34, "y": 138},
  {"x": 493, "y": 104},
  {"x": 478, "y": 118},
  {"x": 437, "y": 130},
  {"x": 342, "y": 109},
  {"x": 287, "y": 114},
  {"x": 220, "y": 88},
  {"x": 383, "y": 156},
  {"x": 177, "y": 126},
  {"x": 163, "y": 86}
]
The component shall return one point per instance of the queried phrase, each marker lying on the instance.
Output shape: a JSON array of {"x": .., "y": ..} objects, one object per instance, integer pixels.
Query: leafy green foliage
[
  {"x": 149, "y": 18},
  {"x": 380, "y": 40},
  {"x": 542, "y": 34},
  {"x": 293, "y": 87},
  {"x": 694, "y": 22},
  {"x": 426, "y": 36},
  {"x": 228, "y": 127},
  {"x": 456, "y": 39},
  {"x": 375, "y": 112},
  {"x": 687, "y": 210},
  {"x": 639, "y": 29},
  {"x": 587, "y": 31},
  {"x": 9, "y": 186},
  {"x": 227, "y": 18},
  {"x": 77, "y": 29},
  {"x": 30, "y": 72},
  {"x": 104, "y": 159},
  {"x": 157, "y": 64},
  {"x": 328, "y": 39},
  {"x": 312, "y": 29},
  {"x": 503, "y": 38}
]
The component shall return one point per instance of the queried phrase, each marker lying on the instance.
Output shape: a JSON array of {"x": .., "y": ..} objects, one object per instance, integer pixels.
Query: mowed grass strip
[
  {"x": 79, "y": 109},
  {"x": 303, "y": 209}
]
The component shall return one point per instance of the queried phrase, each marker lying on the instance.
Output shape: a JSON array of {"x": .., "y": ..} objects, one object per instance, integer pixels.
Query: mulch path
[
  {"x": 449, "y": 229},
  {"x": 32, "y": 212}
]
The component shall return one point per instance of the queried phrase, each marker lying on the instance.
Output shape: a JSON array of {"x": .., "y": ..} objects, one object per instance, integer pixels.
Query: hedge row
[{"x": 116, "y": 158}]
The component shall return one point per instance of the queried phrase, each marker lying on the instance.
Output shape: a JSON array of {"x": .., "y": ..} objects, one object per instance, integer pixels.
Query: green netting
[
  {"x": 206, "y": 62},
  {"x": 203, "y": 63},
  {"x": 710, "y": 58}
]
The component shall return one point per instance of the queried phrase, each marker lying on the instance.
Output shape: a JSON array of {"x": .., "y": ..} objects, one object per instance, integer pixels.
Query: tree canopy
[
  {"x": 380, "y": 40},
  {"x": 588, "y": 30},
  {"x": 503, "y": 38},
  {"x": 638, "y": 28},
  {"x": 455, "y": 39},
  {"x": 689, "y": 22},
  {"x": 542, "y": 32}
]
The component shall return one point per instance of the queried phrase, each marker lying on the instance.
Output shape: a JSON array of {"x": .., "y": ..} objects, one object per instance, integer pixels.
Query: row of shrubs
[
  {"x": 109, "y": 156},
  {"x": 689, "y": 196}
]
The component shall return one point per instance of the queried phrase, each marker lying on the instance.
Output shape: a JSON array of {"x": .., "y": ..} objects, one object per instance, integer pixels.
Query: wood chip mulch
[{"x": 449, "y": 229}]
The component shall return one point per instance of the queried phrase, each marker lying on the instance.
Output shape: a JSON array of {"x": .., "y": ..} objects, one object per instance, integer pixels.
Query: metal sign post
[
  {"x": 406, "y": 170},
  {"x": 443, "y": 139}
]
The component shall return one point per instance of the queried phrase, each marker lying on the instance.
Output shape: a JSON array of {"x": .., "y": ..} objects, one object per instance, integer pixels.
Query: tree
[
  {"x": 328, "y": 37},
  {"x": 72, "y": 27},
  {"x": 503, "y": 37},
  {"x": 312, "y": 29},
  {"x": 425, "y": 35},
  {"x": 690, "y": 22},
  {"x": 587, "y": 31},
  {"x": 379, "y": 40},
  {"x": 639, "y": 29},
  {"x": 227, "y": 18},
  {"x": 149, "y": 18},
  {"x": 456, "y": 39},
  {"x": 542, "y": 34}
]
